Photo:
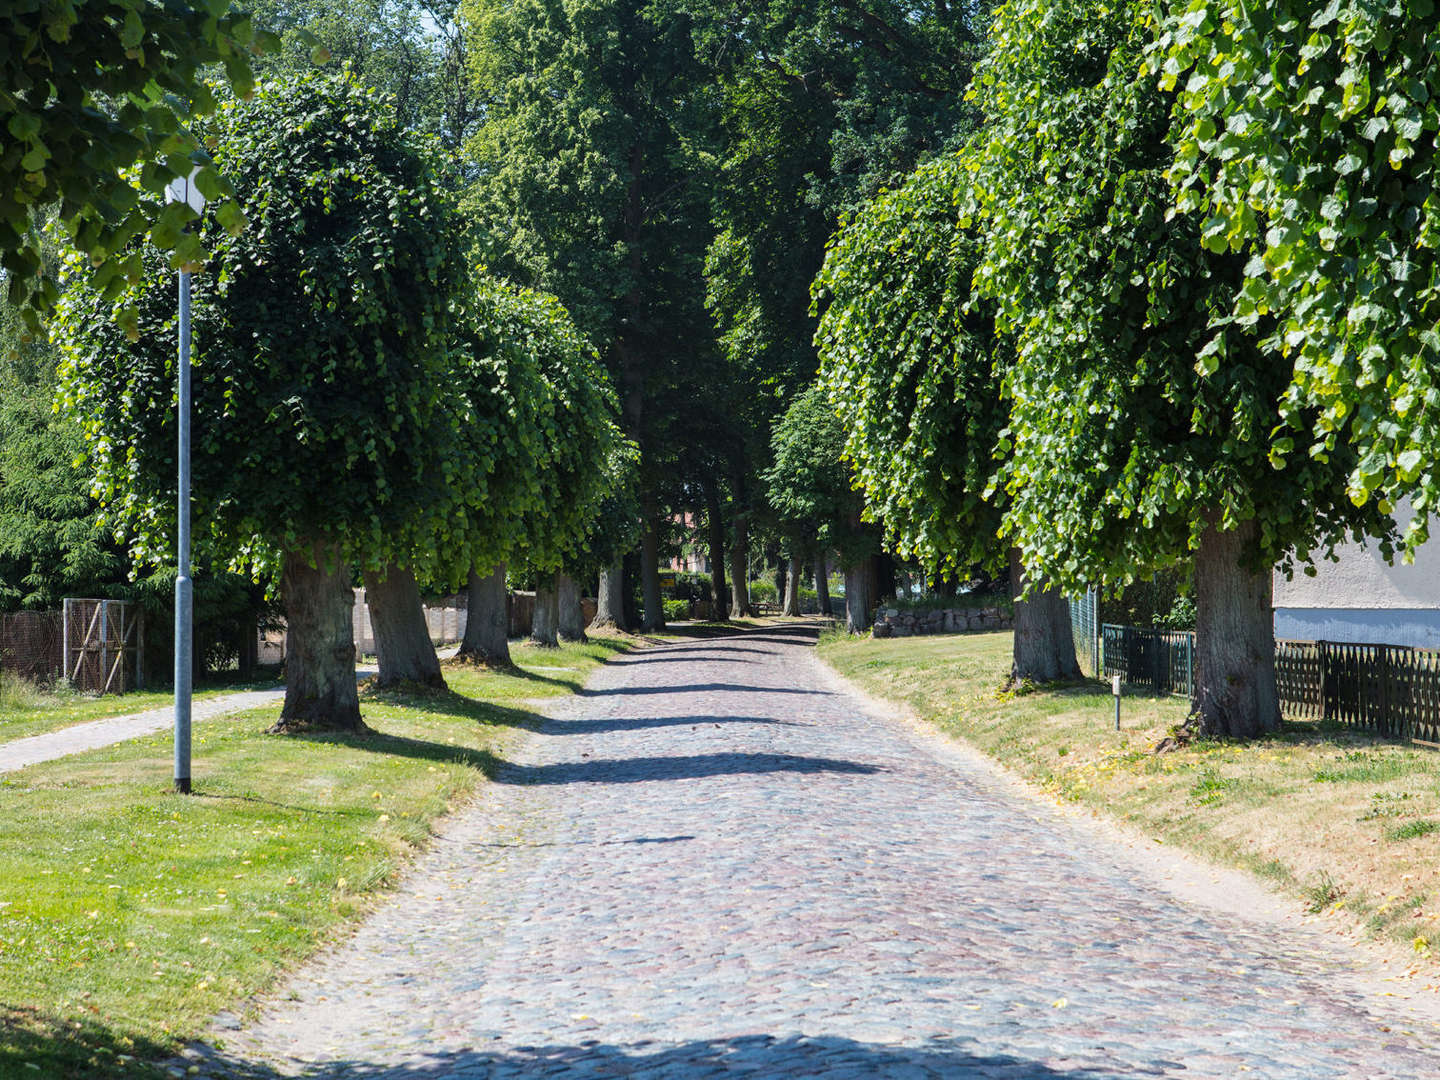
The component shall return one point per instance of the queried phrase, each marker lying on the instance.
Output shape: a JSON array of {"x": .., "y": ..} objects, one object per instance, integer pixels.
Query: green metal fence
[{"x": 1159, "y": 660}]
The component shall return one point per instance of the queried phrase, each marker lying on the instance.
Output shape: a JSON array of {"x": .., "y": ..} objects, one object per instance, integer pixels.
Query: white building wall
[{"x": 1363, "y": 598}]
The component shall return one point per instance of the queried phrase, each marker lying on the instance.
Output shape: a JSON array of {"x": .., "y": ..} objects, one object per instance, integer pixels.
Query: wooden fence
[{"x": 1389, "y": 690}]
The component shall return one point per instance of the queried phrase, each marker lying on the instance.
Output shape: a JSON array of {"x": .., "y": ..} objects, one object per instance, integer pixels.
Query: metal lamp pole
[{"x": 183, "y": 190}]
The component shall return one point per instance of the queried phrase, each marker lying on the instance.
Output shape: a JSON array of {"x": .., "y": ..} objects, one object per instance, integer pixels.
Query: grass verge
[
  {"x": 129, "y": 916},
  {"x": 1340, "y": 820}
]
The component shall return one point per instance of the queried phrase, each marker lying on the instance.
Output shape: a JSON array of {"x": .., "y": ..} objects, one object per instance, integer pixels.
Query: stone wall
[{"x": 891, "y": 622}]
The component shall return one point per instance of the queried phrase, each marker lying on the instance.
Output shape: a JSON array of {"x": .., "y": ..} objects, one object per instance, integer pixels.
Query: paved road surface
[{"x": 717, "y": 863}]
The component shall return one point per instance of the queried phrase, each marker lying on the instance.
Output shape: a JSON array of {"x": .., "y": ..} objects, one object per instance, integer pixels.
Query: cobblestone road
[{"x": 717, "y": 863}]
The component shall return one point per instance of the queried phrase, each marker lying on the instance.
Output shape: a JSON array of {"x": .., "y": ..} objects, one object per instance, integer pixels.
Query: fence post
[{"x": 1382, "y": 664}]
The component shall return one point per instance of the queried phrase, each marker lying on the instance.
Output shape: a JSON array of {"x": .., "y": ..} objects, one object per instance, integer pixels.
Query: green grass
[
  {"x": 1341, "y": 820},
  {"x": 129, "y": 915},
  {"x": 28, "y": 710}
]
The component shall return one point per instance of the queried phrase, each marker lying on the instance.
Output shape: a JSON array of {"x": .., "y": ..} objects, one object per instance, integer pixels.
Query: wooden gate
[{"x": 104, "y": 641}]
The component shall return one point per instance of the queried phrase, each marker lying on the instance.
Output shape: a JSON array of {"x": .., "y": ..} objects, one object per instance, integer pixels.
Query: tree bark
[
  {"x": 545, "y": 627},
  {"x": 1235, "y": 694},
  {"x": 571, "y": 621},
  {"x": 402, "y": 638},
  {"x": 719, "y": 608},
  {"x": 610, "y": 603},
  {"x": 320, "y": 692},
  {"x": 822, "y": 582},
  {"x": 781, "y": 566},
  {"x": 792, "y": 588},
  {"x": 654, "y": 616},
  {"x": 857, "y": 597},
  {"x": 740, "y": 569},
  {"x": 1044, "y": 648},
  {"x": 487, "y": 623}
]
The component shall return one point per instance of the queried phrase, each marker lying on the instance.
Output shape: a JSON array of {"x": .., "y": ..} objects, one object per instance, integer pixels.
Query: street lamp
[{"x": 183, "y": 189}]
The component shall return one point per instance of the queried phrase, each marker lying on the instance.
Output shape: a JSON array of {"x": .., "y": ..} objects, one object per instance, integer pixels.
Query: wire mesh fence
[
  {"x": 104, "y": 645},
  {"x": 30, "y": 645},
  {"x": 1085, "y": 629}
]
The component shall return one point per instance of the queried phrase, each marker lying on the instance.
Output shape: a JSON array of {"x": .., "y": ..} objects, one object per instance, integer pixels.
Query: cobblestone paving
[
  {"x": 94, "y": 734},
  {"x": 717, "y": 863}
]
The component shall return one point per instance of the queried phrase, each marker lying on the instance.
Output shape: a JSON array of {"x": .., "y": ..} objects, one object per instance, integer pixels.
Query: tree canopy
[{"x": 95, "y": 96}]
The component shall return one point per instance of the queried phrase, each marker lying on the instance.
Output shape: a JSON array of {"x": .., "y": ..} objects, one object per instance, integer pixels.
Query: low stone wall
[{"x": 891, "y": 622}]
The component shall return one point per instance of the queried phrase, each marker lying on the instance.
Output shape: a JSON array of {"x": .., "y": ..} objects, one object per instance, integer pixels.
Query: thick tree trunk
[
  {"x": 782, "y": 564},
  {"x": 487, "y": 622},
  {"x": 857, "y": 597},
  {"x": 739, "y": 570},
  {"x": 402, "y": 639},
  {"x": 719, "y": 608},
  {"x": 792, "y": 588},
  {"x": 545, "y": 627},
  {"x": 1235, "y": 694},
  {"x": 320, "y": 690},
  {"x": 822, "y": 582},
  {"x": 610, "y": 603},
  {"x": 570, "y": 622},
  {"x": 1044, "y": 644},
  {"x": 654, "y": 616}
]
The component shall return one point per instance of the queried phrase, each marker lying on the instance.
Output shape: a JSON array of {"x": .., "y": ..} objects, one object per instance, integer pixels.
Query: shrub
[
  {"x": 677, "y": 609},
  {"x": 763, "y": 592}
]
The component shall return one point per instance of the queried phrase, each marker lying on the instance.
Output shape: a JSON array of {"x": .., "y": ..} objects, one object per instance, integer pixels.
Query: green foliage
[
  {"x": 676, "y": 609},
  {"x": 52, "y": 543},
  {"x": 412, "y": 50},
  {"x": 1141, "y": 415},
  {"x": 1306, "y": 146},
  {"x": 320, "y": 335},
  {"x": 809, "y": 484},
  {"x": 96, "y": 95},
  {"x": 912, "y": 363}
]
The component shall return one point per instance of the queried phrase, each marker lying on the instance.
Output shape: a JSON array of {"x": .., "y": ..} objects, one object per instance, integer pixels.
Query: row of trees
[
  {"x": 1126, "y": 323},
  {"x": 364, "y": 394}
]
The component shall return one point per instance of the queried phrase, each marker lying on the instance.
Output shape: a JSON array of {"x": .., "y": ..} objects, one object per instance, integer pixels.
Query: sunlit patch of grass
[
  {"x": 130, "y": 915},
  {"x": 1312, "y": 805}
]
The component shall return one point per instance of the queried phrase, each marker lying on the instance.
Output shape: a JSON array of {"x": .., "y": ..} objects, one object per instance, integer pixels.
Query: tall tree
[
  {"x": 914, "y": 366},
  {"x": 321, "y": 356},
  {"x": 1142, "y": 417},
  {"x": 594, "y": 184},
  {"x": 1306, "y": 142}
]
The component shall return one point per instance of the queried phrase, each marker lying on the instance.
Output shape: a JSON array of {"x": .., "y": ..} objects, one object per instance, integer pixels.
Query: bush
[
  {"x": 677, "y": 609},
  {"x": 690, "y": 587},
  {"x": 763, "y": 592}
]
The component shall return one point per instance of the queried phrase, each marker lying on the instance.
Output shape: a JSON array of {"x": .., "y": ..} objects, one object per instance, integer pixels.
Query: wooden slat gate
[{"x": 103, "y": 645}]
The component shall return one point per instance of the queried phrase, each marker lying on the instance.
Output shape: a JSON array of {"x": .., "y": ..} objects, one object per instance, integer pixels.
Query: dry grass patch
[{"x": 1346, "y": 822}]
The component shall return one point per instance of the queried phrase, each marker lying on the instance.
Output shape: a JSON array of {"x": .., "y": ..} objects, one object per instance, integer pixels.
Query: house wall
[{"x": 1362, "y": 598}]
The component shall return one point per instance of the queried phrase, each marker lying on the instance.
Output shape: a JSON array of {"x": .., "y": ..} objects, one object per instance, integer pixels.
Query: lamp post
[{"x": 183, "y": 190}]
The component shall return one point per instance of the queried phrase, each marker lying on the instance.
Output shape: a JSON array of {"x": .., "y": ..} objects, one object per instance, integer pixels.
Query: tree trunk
[
  {"x": 719, "y": 610},
  {"x": 610, "y": 603},
  {"x": 654, "y": 616},
  {"x": 320, "y": 692},
  {"x": 740, "y": 570},
  {"x": 1044, "y": 644},
  {"x": 781, "y": 566},
  {"x": 402, "y": 638},
  {"x": 487, "y": 623},
  {"x": 545, "y": 627},
  {"x": 822, "y": 583},
  {"x": 1235, "y": 694},
  {"x": 857, "y": 597},
  {"x": 571, "y": 621},
  {"x": 792, "y": 588}
]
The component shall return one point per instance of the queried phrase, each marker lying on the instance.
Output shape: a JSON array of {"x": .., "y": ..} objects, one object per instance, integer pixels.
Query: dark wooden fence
[
  {"x": 1159, "y": 660},
  {"x": 1390, "y": 690}
]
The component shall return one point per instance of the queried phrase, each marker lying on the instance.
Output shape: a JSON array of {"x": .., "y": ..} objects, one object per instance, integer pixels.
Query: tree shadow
[
  {"x": 751, "y": 1055},
  {"x": 678, "y": 653},
  {"x": 612, "y": 724},
  {"x": 451, "y": 703},
  {"x": 644, "y": 770},
  {"x": 400, "y": 746},
  {"x": 37, "y": 1043},
  {"x": 699, "y": 688}
]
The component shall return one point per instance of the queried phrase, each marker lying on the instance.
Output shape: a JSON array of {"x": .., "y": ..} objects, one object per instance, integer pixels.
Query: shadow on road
[
  {"x": 698, "y": 688},
  {"x": 746, "y": 1055},
  {"x": 691, "y": 767},
  {"x": 596, "y": 727}
]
